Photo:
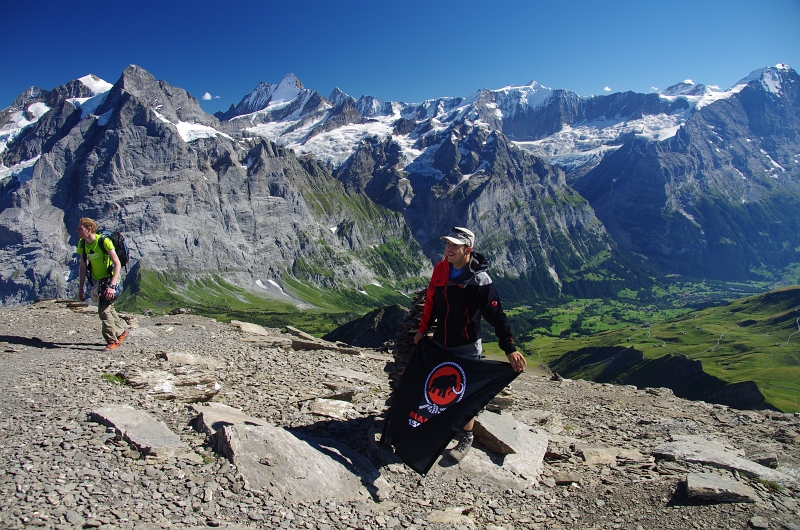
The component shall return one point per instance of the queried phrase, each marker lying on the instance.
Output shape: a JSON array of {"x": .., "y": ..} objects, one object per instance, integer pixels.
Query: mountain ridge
[{"x": 433, "y": 165}]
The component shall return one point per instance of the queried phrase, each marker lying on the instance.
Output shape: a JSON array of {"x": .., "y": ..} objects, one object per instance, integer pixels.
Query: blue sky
[{"x": 406, "y": 50}]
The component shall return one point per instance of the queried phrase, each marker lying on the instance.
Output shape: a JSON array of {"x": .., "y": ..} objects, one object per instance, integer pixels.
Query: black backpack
[{"x": 120, "y": 246}]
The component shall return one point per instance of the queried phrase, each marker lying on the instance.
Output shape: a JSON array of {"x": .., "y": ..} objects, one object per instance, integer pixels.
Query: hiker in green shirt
[{"x": 101, "y": 256}]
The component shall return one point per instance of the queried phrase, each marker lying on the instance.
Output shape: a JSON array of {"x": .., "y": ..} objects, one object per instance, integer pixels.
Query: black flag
[{"x": 438, "y": 394}]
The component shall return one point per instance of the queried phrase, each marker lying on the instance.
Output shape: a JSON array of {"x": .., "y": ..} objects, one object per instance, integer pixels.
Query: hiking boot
[
  {"x": 122, "y": 337},
  {"x": 112, "y": 346},
  {"x": 461, "y": 449}
]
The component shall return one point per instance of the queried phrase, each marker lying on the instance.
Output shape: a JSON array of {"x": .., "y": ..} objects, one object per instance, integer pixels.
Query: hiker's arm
[
  {"x": 81, "y": 277},
  {"x": 117, "y": 266},
  {"x": 114, "y": 277}
]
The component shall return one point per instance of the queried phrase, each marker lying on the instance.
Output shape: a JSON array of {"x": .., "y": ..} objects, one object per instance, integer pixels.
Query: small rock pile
[{"x": 81, "y": 446}]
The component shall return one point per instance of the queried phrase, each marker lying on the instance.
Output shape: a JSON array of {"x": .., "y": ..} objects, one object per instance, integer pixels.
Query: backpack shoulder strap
[{"x": 102, "y": 243}]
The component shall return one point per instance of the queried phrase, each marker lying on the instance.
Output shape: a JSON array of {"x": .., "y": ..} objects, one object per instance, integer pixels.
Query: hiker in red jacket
[{"x": 459, "y": 294}]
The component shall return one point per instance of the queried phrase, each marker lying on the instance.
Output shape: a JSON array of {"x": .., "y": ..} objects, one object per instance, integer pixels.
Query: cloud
[
  {"x": 607, "y": 89},
  {"x": 207, "y": 97},
  {"x": 654, "y": 89}
]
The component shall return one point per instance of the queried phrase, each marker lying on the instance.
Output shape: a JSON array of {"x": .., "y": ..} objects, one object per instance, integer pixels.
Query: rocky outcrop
[
  {"x": 686, "y": 377},
  {"x": 373, "y": 330}
]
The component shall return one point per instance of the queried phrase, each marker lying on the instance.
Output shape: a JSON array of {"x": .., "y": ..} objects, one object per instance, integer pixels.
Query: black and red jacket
[{"x": 457, "y": 306}]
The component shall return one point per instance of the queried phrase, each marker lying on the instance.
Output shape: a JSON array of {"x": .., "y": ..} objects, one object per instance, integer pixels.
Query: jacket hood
[{"x": 478, "y": 263}]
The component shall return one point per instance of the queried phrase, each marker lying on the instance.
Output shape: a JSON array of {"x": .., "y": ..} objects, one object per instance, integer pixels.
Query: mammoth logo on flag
[
  {"x": 444, "y": 386},
  {"x": 433, "y": 401}
]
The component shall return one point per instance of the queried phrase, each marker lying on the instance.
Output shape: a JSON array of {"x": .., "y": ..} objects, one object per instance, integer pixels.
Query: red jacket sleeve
[{"x": 439, "y": 278}]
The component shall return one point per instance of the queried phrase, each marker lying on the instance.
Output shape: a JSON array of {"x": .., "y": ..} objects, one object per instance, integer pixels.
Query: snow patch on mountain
[
  {"x": 89, "y": 105},
  {"x": 99, "y": 88},
  {"x": 532, "y": 95},
  {"x": 192, "y": 131},
  {"x": 19, "y": 120},
  {"x": 334, "y": 146},
  {"x": 102, "y": 120},
  {"x": 23, "y": 170},
  {"x": 574, "y": 145},
  {"x": 698, "y": 96},
  {"x": 338, "y": 145},
  {"x": 95, "y": 84}
]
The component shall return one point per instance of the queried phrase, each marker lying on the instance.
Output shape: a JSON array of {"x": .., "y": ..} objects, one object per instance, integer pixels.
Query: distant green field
[
  {"x": 215, "y": 298},
  {"x": 755, "y": 338}
]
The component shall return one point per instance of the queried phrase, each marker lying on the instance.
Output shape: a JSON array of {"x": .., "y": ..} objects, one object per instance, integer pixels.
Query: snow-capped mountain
[
  {"x": 287, "y": 101},
  {"x": 436, "y": 139},
  {"x": 563, "y": 128},
  {"x": 720, "y": 197},
  {"x": 35, "y": 102},
  {"x": 569, "y": 193}
]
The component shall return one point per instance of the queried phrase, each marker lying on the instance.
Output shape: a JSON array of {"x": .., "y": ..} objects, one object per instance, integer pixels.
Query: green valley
[{"x": 749, "y": 339}]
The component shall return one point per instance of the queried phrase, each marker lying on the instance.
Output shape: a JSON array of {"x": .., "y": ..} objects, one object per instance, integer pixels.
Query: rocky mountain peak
[
  {"x": 266, "y": 97},
  {"x": 338, "y": 97},
  {"x": 372, "y": 106},
  {"x": 137, "y": 81},
  {"x": 165, "y": 102},
  {"x": 685, "y": 88},
  {"x": 772, "y": 79}
]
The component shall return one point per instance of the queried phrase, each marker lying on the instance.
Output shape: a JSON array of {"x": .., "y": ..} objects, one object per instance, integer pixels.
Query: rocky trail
[{"x": 194, "y": 423}]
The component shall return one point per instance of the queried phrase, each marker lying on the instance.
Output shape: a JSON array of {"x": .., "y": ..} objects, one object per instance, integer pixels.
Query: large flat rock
[
  {"x": 497, "y": 432},
  {"x": 698, "y": 449},
  {"x": 520, "y": 470},
  {"x": 150, "y": 436},
  {"x": 716, "y": 488},
  {"x": 299, "y": 468},
  {"x": 352, "y": 374},
  {"x": 528, "y": 461},
  {"x": 331, "y": 408}
]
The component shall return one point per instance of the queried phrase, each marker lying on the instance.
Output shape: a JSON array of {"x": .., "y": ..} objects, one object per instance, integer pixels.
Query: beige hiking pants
[{"x": 112, "y": 324}]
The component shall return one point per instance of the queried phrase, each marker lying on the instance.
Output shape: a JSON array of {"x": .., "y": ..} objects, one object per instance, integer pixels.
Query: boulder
[
  {"x": 188, "y": 383},
  {"x": 331, "y": 408},
  {"x": 497, "y": 432},
  {"x": 214, "y": 416},
  {"x": 299, "y": 468}
]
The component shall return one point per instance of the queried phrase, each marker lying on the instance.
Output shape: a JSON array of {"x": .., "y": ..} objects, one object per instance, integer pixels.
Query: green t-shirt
[{"x": 99, "y": 261}]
